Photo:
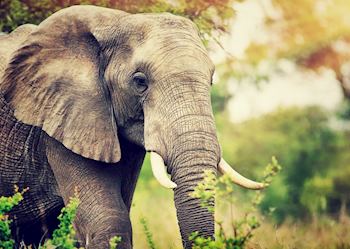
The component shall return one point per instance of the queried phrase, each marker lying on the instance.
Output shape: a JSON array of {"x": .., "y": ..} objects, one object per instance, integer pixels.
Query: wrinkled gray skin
[{"x": 76, "y": 114}]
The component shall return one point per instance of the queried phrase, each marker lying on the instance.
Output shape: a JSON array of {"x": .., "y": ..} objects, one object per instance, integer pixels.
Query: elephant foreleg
[{"x": 102, "y": 212}]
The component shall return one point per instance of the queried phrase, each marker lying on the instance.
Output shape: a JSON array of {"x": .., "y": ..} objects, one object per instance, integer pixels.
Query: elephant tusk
[
  {"x": 159, "y": 171},
  {"x": 225, "y": 168}
]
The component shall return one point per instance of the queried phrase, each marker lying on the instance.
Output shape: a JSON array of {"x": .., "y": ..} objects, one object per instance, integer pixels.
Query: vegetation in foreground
[
  {"x": 236, "y": 229},
  {"x": 6, "y": 204},
  {"x": 237, "y": 224},
  {"x": 63, "y": 237}
]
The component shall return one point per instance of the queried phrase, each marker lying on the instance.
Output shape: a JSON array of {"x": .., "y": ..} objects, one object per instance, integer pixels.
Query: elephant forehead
[
  {"x": 138, "y": 29},
  {"x": 166, "y": 20},
  {"x": 175, "y": 53},
  {"x": 146, "y": 23},
  {"x": 170, "y": 21}
]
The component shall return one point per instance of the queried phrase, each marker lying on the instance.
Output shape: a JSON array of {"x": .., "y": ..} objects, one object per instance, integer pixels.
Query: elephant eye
[{"x": 140, "y": 81}]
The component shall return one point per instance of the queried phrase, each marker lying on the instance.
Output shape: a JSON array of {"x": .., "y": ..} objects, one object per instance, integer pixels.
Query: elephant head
[{"x": 89, "y": 75}]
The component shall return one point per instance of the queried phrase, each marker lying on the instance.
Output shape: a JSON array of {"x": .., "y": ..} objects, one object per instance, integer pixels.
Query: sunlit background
[{"x": 281, "y": 88}]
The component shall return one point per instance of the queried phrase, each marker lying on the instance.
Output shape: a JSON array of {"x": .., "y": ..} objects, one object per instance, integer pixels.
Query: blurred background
[{"x": 281, "y": 88}]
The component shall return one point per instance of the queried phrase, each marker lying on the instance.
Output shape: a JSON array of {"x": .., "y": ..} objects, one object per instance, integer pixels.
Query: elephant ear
[{"x": 55, "y": 81}]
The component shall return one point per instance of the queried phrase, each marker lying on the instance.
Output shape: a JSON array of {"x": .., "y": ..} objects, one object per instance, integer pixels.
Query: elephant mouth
[{"x": 159, "y": 170}]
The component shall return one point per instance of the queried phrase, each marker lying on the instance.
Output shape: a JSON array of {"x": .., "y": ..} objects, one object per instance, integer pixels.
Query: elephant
[{"x": 84, "y": 96}]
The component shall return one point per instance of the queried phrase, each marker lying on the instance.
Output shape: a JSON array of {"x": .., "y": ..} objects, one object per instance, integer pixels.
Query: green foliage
[
  {"x": 302, "y": 140},
  {"x": 148, "y": 233},
  {"x": 219, "y": 97},
  {"x": 205, "y": 190},
  {"x": 14, "y": 13},
  {"x": 341, "y": 184},
  {"x": 243, "y": 228},
  {"x": 6, "y": 204},
  {"x": 271, "y": 170},
  {"x": 344, "y": 110},
  {"x": 63, "y": 236},
  {"x": 114, "y": 241},
  {"x": 315, "y": 193}
]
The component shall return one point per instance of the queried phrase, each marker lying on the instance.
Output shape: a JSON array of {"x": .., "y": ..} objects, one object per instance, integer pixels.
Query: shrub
[
  {"x": 63, "y": 237},
  {"x": 243, "y": 228},
  {"x": 6, "y": 204}
]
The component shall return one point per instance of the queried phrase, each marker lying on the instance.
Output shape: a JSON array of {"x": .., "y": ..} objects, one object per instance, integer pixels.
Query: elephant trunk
[
  {"x": 198, "y": 153},
  {"x": 180, "y": 128}
]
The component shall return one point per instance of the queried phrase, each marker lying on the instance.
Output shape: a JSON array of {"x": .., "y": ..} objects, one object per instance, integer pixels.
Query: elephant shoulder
[{"x": 9, "y": 43}]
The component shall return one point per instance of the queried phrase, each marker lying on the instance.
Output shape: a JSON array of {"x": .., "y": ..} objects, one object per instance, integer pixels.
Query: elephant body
[
  {"x": 24, "y": 154},
  {"x": 24, "y": 162},
  {"x": 83, "y": 96}
]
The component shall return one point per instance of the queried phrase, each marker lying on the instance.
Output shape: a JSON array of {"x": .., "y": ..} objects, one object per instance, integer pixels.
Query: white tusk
[
  {"x": 159, "y": 171},
  {"x": 225, "y": 168}
]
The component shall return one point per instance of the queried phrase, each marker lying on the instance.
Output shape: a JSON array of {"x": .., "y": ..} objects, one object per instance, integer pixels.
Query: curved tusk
[
  {"x": 159, "y": 171},
  {"x": 225, "y": 168}
]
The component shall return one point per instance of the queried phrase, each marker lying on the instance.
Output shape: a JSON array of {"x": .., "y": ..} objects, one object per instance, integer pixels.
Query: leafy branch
[{"x": 223, "y": 189}]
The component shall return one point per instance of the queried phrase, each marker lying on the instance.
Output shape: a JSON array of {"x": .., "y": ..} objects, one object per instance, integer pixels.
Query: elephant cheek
[
  {"x": 134, "y": 133},
  {"x": 154, "y": 138}
]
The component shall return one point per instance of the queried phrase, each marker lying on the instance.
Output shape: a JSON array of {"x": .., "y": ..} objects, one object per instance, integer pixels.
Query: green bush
[
  {"x": 6, "y": 204},
  {"x": 223, "y": 188},
  {"x": 63, "y": 237},
  {"x": 114, "y": 241}
]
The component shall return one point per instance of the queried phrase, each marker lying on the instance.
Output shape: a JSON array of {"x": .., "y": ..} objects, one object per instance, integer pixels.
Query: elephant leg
[
  {"x": 39, "y": 229},
  {"x": 102, "y": 212}
]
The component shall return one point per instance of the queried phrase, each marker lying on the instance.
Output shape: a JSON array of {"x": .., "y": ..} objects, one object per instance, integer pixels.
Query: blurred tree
[
  {"x": 342, "y": 190},
  {"x": 209, "y": 15},
  {"x": 315, "y": 34},
  {"x": 302, "y": 141},
  {"x": 14, "y": 13},
  {"x": 314, "y": 195},
  {"x": 220, "y": 96},
  {"x": 344, "y": 110}
]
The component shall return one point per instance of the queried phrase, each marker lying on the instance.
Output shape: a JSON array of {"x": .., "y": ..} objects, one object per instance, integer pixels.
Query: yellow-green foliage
[
  {"x": 148, "y": 233},
  {"x": 6, "y": 204},
  {"x": 223, "y": 189},
  {"x": 113, "y": 242},
  {"x": 315, "y": 193},
  {"x": 64, "y": 236},
  {"x": 301, "y": 139}
]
